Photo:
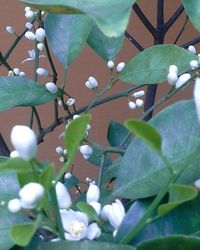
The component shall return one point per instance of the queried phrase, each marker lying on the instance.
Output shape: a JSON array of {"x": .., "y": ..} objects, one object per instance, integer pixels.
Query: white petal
[
  {"x": 197, "y": 96},
  {"x": 71, "y": 238},
  {"x": 63, "y": 197},
  {"x": 93, "y": 193},
  {"x": 96, "y": 206},
  {"x": 93, "y": 231},
  {"x": 182, "y": 79}
]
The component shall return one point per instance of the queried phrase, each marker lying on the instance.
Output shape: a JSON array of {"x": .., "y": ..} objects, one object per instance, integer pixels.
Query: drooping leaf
[
  {"x": 67, "y": 35},
  {"x": 192, "y": 9},
  {"x": 141, "y": 172},
  {"x": 178, "y": 194},
  {"x": 20, "y": 91},
  {"x": 105, "y": 47},
  {"x": 89, "y": 210},
  {"x": 83, "y": 245},
  {"x": 110, "y": 16},
  {"x": 146, "y": 132},
  {"x": 152, "y": 65},
  {"x": 181, "y": 242}
]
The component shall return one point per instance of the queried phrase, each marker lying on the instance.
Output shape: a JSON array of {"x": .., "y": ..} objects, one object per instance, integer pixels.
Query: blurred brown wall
[{"x": 88, "y": 63}]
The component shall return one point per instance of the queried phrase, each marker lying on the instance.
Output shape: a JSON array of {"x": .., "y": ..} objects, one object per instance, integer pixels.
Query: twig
[
  {"x": 191, "y": 42},
  {"x": 133, "y": 41},
  {"x": 181, "y": 31},
  {"x": 174, "y": 17}
]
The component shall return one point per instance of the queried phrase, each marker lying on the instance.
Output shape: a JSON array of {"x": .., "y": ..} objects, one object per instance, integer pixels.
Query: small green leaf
[
  {"x": 89, "y": 210},
  {"x": 178, "y": 194},
  {"x": 67, "y": 35},
  {"x": 20, "y": 91},
  {"x": 192, "y": 9},
  {"x": 71, "y": 182},
  {"x": 46, "y": 177},
  {"x": 17, "y": 165},
  {"x": 152, "y": 65},
  {"x": 106, "y": 47},
  {"x": 74, "y": 134},
  {"x": 147, "y": 133}
]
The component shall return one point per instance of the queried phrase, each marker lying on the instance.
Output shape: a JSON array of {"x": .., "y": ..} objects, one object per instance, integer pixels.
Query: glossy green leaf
[
  {"x": 178, "y": 194},
  {"x": 20, "y": 91},
  {"x": 33, "y": 245},
  {"x": 18, "y": 165},
  {"x": 89, "y": 210},
  {"x": 83, "y": 245},
  {"x": 141, "y": 172},
  {"x": 182, "y": 220},
  {"x": 181, "y": 242},
  {"x": 74, "y": 135},
  {"x": 111, "y": 171},
  {"x": 192, "y": 9},
  {"x": 152, "y": 65},
  {"x": 105, "y": 47},
  {"x": 117, "y": 134},
  {"x": 110, "y": 16},
  {"x": 146, "y": 132},
  {"x": 67, "y": 35}
]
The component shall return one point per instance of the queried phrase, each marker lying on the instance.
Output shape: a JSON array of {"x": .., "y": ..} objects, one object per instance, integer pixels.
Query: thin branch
[
  {"x": 191, "y": 42},
  {"x": 149, "y": 100},
  {"x": 133, "y": 41},
  {"x": 37, "y": 118},
  {"x": 4, "y": 150},
  {"x": 144, "y": 20},
  {"x": 160, "y": 13},
  {"x": 174, "y": 17},
  {"x": 181, "y": 31}
]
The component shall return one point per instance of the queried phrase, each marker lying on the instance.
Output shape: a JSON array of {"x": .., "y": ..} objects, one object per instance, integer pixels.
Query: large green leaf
[
  {"x": 18, "y": 165},
  {"x": 83, "y": 245},
  {"x": 110, "y": 16},
  {"x": 104, "y": 46},
  {"x": 152, "y": 65},
  {"x": 173, "y": 242},
  {"x": 192, "y": 8},
  {"x": 142, "y": 173},
  {"x": 182, "y": 220},
  {"x": 67, "y": 35},
  {"x": 20, "y": 91},
  {"x": 111, "y": 171}
]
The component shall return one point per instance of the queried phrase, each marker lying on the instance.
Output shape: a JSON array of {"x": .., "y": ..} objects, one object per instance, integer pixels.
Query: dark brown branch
[
  {"x": 181, "y": 31},
  {"x": 4, "y": 150},
  {"x": 174, "y": 17},
  {"x": 191, "y": 42},
  {"x": 133, "y": 41}
]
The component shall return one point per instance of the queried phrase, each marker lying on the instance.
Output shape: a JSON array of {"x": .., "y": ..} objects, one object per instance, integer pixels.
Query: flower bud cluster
[
  {"x": 62, "y": 152},
  {"x": 120, "y": 67},
  {"x": 16, "y": 72},
  {"x": 39, "y": 35},
  {"x": 29, "y": 13},
  {"x": 91, "y": 83},
  {"x": 86, "y": 151},
  {"x": 138, "y": 103}
]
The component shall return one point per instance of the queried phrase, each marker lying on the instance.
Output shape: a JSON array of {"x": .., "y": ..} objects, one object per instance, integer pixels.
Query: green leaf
[
  {"x": 71, "y": 182},
  {"x": 67, "y": 35},
  {"x": 152, "y": 65},
  {"x": 83, "y": 245},
  {"x": 46, "y": 177},
  {"x": 182, "y": 220},
  {"x": 192, "y": 9},
  {"x": 181, "y": 242},
  {"x": 74, "y": 135},
  {"x": 18, "y": 165},
  {"x": 117, "y": 134},
  {"x": 146, "y": 132},
  {"x": 110, "y": 16},
  {"x": 178, "y": 194},
  {"x": 20, "y": 91},
  {"x": 105, "y": 47},
  {"x": 89, "y": 210},
  {"x": 111, "y": 171},
  {"x": 142, "y": 173}
]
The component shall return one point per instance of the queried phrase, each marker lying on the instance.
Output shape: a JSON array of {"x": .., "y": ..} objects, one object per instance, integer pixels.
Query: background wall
[{"x": 88, "y": 63}]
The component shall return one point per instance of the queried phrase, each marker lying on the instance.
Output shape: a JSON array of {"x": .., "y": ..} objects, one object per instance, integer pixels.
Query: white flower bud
[
  {"x": 67, "y": 176},
  {"x": 10, "y": 30},
  {"x": 30, "y": 35},
  {"x": 192, "y": 49},
  {"x": 172, "y": 78},
  {"x": 27, "y": 8},
  {"x": 14, "y": 205},
  {"x": 29, "y": 14},
  {"x": 182, "y": 79},
  {"x": 16, "y": 71},
  {"x": 110, "y": 64},
  {"x": 120, "y": 67},
  {"x": 197, "y": 96},
  {"x": 173, "y": 68},
  {"x": 93, "y": 232},
  {"x": 42, "y": 72},
  {"x": 93, "y": 82},
  {"x": 14, "y": 154},
  {"x": 88, "y": 85},
  {"x": 29, "y": 25},
  {"x": 88, "y": 127},
  {"x": 75, "y": 117},
  {"x": 194, "y": 64},
  {"x": 22, "y": 73},
  {"x": 139, "y": 103},
  {"x": 59, "y": 150},
  {"x": 10, "y": 73},
  {"x": 86, "y": 157},
  {"x": 71, "y": 102},
  {"x": 97, "y": 207},
  {"x": 197, "y": 184},
  {"x": 131, "y": 105},
  {"x": 65, "y": 151},
  {"x": 61, "y": 159},
  {"x": 24, "y": 140},
  {"x": 93, "y": 193},
  {"x": 40, "y": 46},
  {"x": 86, "y": 150},
  {"x": 40, "y": 35},
  {"x": 51, "y": 87},
  {"x": 138, "y": 94},
  {"x": 31, "y": 194},
  {"x": 63, "y": 197}
]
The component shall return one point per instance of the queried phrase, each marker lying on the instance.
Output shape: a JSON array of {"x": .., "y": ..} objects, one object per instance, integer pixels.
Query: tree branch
[
  {"x": 174, "y": 17},
  {"x": 133, "y": 41}
]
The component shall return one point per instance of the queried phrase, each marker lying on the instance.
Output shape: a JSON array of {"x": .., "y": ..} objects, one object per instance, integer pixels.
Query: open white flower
[
  {"x": 76, "y": 226},
  {"x": 31, "y": 57},
  {"x": 24, "y": 140},
  {"x": 63, "y": 197}
]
